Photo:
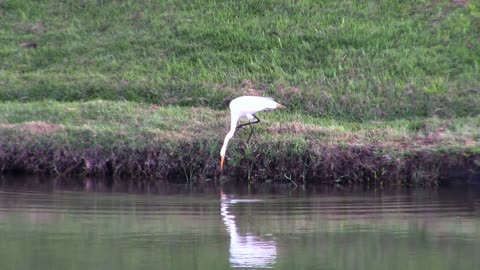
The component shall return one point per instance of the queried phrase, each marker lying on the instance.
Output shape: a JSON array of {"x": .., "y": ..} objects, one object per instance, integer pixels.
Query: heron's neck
[{"x": 233, "y": 126}]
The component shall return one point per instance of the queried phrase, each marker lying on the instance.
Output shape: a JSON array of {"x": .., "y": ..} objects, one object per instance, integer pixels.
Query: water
[{"x": 47, "y": 226}]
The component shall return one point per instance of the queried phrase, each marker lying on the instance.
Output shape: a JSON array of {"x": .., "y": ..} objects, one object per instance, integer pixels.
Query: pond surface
[{"x": 44, "y": 225}]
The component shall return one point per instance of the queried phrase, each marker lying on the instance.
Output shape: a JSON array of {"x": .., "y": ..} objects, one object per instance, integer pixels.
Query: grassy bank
[
  {"x": 132, "y": 139},
  {"x": 372, "y": 88}
]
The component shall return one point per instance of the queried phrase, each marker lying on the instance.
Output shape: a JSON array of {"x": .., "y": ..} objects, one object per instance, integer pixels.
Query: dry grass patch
[
  {"x": 34, "y": 127},
  {"x": 299, "y": 128}
]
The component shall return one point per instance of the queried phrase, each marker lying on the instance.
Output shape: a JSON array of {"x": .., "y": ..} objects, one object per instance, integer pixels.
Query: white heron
[{"x": 246, "y": 106}]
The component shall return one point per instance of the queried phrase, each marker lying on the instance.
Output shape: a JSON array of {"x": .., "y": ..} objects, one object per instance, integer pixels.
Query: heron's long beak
[{"x": 222, "y": 159}]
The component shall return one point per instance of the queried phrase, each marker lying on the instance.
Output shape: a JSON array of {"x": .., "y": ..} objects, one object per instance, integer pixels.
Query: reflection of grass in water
[
  {"x": 121, "y": 231},
  {"x": 389, "y": 236},
  {"x": 380, "y": 250},
  {"x": 94, "y": 231}
]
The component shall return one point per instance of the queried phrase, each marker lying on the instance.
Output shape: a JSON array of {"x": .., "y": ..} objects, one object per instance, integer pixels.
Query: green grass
[
  {"x": 143, "y": 78},
  {"x": 137, "y": 125},
  {"x": 339, "y": 59}
]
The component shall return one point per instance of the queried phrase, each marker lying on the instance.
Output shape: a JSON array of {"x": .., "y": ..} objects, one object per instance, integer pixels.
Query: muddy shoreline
[{"x": 197, "y": 162}]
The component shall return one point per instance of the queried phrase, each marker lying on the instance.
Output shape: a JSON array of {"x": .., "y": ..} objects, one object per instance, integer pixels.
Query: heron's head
[
  {"x": 222, "y": 160},
  {"x": 224, "y": 149}
]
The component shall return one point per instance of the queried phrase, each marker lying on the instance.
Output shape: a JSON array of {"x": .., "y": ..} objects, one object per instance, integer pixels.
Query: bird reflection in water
[{"x": 246, "y": 250}]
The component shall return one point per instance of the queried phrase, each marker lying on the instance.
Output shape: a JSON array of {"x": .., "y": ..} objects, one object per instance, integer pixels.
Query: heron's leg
[
  {"x": 252, "y": 128},
  {"x": 247, "y": 124}
]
